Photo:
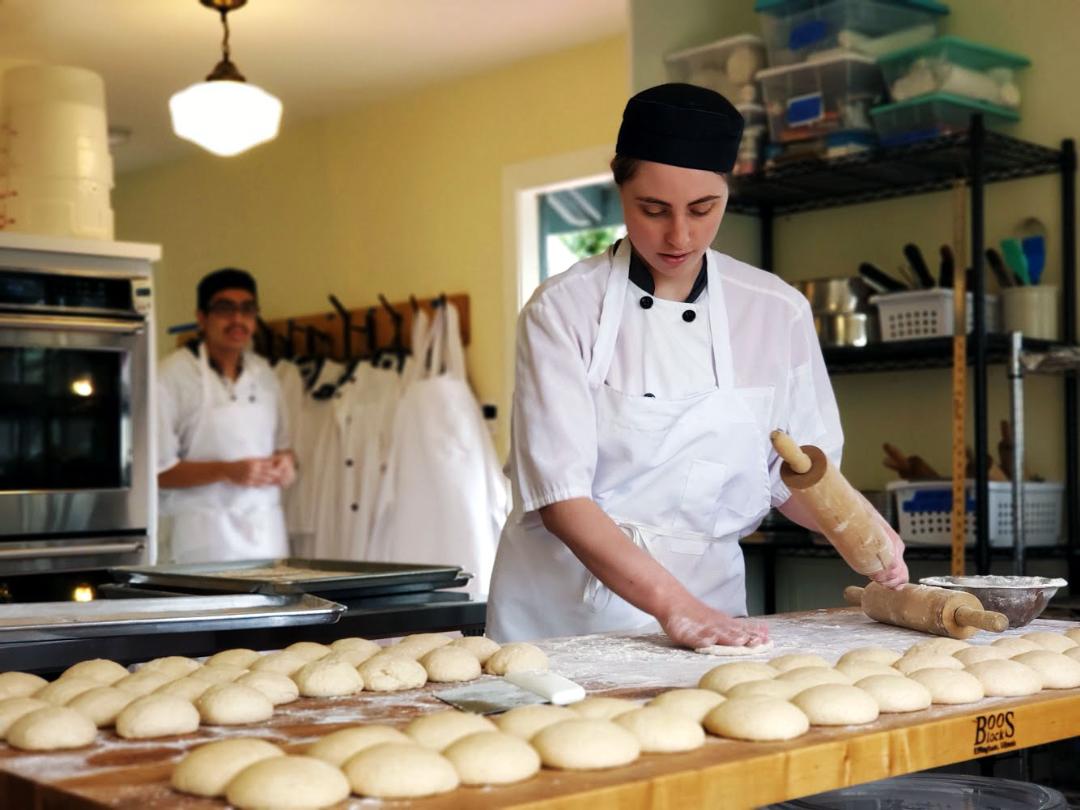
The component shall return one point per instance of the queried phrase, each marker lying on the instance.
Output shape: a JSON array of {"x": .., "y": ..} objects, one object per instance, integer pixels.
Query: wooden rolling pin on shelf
[
  {"x": 931, "y": 610},
  {"x": 842, "y": 514}
]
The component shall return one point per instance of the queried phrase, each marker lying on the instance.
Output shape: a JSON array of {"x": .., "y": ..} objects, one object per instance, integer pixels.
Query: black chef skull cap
[
  {"x": 225, "y": 278},
  {"x": 681, "y": 125}
]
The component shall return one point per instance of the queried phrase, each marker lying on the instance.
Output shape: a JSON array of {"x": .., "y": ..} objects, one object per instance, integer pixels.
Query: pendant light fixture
[{"x": 224, "y": 114}]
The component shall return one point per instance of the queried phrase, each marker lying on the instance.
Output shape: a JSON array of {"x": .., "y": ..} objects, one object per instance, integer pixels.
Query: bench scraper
[{"x": 512, "y": 690}]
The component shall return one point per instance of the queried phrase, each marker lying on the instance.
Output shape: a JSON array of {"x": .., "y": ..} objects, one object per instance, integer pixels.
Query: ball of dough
[
  {"x": 287, "y": 783},
  {"x": 950, "y": 687},
  {"x": 783, "y": 663},
  {"x": 11, "y": 709},
  {"x": 20, "y": 684},
  {"x": 692, "y": 703},
  {"x": 277, "y": 688},
  {"x": 322, "y": 678},
  {"x": 157, "y": 716},
  {"x": 875, "y": 655},
  {"x": 391, "y": 673},
  {"x": 236, "y": 657},
  {"x": 436, "y": 731},
  {"x": 917, "y": 661},
  {"x": 519, "y": 656},
  {"x": 1074, "y": 653},
  {"x": 51, "y": 729},
  {"x": 451, "y": 665},
  {"x": 308, "y": 650},
  {"x": 143, "y": 683},
  {"x": 493, "y": 758},
  {"x": 942, "y": 645},
  {"x": 400, "y": 771},
  {"x": 339, "y": 746},
  {"x": 1015, "y": 644},
  {"x": 208, "y": 769},
  {"x": 757, "y": 719},
  {"x": 603, "y": 708},
  {"x": 836, "y": 704},
  {"x": 725, "y": 676},
  {"x": 781, "y": 690},
  {"x": 1006, "y": 678},
  {"x": 102, "y": 704},
  {"x": 1056, "y": 670},
  {"x": 356, "y": 645},
  {"x": 896, "y": 694},
  {"x": 189, "y": 688},
  {"x": 480, "y": 646},
  {"x": 806, "y": 677},
  {"x": 1055, "y": 642},
  {"x": 61, "y": 692},
  {"x": 218, "y": 673},
  {"x": 984, "y": 652},
  {"x": 419, "y": 645},
  {"x": 662, "y": 731},
  {"x": 584, "y": 744},
  {"x": 1074, "y": 634},
  {"x": 102, "y": 670},
  {"x": 230, "y": 704},
  {"x": 353, "y": 658},
  {"x": 857, "y": 669},
  {"x": 525, "y": 721},
  {"x": 284, "y": 662},
  {"x": 171, "y": 666}
]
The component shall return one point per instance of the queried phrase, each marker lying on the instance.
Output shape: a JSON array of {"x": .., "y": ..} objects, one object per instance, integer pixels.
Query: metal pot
[
  {"x": 836, "y": 295},
  {"x": 847, "y": 328}
]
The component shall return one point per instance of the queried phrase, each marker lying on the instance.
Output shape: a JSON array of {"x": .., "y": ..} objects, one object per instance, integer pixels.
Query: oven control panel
[{"x": 73, "y": 292}]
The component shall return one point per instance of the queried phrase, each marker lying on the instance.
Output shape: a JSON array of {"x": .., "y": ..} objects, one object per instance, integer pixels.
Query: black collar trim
[
  {"x": 640, "y": 275},
  {"x": 193, "y": 347}
]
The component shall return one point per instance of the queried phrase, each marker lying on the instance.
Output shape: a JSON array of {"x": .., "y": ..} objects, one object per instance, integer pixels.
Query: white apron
[
  {"x": 222, "y": 521},
  {"x": 683, "y": 478}
]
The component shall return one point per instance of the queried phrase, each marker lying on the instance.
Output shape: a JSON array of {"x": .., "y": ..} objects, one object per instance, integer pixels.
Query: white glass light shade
[{"x": 225, "y": 117}]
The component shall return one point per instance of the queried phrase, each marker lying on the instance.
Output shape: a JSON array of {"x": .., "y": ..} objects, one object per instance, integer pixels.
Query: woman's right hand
[{"x": 689, "y": 622}]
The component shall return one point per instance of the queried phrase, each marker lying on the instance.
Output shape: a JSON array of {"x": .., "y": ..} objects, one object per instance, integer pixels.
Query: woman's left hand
[{"x": 896, "y": 574}]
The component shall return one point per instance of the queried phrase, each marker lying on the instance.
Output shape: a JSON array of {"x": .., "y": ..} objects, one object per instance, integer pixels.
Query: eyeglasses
[{"x": 227, "y": 309}]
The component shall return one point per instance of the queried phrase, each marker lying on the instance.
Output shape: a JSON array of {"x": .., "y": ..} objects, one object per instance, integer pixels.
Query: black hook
[
  {"x": 346, "y": 325},
  {"x": 415, "y": 303},
  {"x": 290, "y": 329},
  {"x": 313, "y": 335}
]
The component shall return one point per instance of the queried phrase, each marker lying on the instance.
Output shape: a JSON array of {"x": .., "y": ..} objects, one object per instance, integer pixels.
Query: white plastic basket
[
  {"x": 925, "y": 314},
  {"x": 924, "y": 512}
]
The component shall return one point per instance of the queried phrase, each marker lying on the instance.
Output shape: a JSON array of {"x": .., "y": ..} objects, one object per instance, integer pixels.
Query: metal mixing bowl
[
  {"x": 1020, "y": 598},
  {"x": 847, "y": 328},
  {"x": 843, "y": 294}
]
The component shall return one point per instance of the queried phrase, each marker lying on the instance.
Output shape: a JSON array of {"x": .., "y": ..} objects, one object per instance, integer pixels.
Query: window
[{"x": 575, "y": 223}]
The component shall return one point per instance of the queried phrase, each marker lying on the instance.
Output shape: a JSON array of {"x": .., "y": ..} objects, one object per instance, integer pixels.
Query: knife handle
[
  {"x": 554, "y": 688},
  {"x": 948, "y": 267},
  {"x": 918, "y": 264}
]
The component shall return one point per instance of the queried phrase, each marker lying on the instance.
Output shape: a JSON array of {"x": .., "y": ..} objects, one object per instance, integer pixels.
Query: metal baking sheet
[
  {"x": 329, "y": 576},
  {"x": 36, "y": 621}
]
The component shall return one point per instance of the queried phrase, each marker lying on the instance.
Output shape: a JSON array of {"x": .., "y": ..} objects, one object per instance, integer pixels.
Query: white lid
[
  {"x": 729, "y": 42},
  {"x": 849, "y": 57}
]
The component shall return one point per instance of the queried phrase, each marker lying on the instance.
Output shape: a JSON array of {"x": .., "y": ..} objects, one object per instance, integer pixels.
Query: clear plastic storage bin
[
  {"x": 817, "y": 98},
  {"x": 727, "y": 66},
  {"x": 930, "y": 116},
  {"x": 752, "y": 146},
  {"x": 924, "y": 512},
  {"x": 797, "y": 29},
  {"x": 956, "y": 66},
  {"x": 926, "y": 314}
]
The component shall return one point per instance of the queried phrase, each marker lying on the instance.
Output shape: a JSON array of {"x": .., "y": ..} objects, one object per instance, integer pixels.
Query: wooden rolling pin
[
  {"x": 940, "y": 611},
  {"x": 843, "y": 515}
]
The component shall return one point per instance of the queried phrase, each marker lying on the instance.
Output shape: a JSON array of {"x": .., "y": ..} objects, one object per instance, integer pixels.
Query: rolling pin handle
[
  {"x": 790, "y": 452},
  {"x": 853, "y": 595},
  {"x": 983, "y": 619}
]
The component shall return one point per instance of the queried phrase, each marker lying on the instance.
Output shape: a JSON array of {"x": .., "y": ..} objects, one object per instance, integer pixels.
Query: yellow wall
[
  {"x": 399, "y": 197},
  {"x": 911, "y": 409}
]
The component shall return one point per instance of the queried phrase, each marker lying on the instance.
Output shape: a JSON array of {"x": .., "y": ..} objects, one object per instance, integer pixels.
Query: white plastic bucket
[{"x": 57, "y": 206}]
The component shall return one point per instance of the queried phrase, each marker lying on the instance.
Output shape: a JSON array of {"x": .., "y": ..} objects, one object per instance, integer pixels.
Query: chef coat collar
[
  {"x": 640, "y": 275},
  {"x": 193, "y": 347}
]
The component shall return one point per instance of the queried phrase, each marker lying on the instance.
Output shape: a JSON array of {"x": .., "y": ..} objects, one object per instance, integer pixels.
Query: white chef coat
[
  {"x": 191, "y": 397},
  {"x": 564, "y": 432}
]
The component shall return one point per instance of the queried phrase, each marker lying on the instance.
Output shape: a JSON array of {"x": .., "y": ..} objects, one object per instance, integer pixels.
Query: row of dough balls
[
  {"x": 173, "y": 695},
  {"x": 438, "y": 752},
  {"x": 781, "y": 699}
]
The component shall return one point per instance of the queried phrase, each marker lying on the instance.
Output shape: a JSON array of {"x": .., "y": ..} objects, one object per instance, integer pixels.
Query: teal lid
[
  {"x": 972, "y": 104},
  {"x": 784, "y": 7},
  {"x": 970, "y": 54}
]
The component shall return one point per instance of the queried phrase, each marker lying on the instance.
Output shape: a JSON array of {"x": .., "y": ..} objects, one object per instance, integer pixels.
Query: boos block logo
[{"x": 993, "y": 733}]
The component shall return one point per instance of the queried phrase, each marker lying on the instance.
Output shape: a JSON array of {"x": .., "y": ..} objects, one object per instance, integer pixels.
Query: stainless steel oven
[{"x": 75, "y": 425}]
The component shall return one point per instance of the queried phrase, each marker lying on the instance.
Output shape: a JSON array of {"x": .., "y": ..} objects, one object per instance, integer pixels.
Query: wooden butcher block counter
[{"x": 120, "y": 774}]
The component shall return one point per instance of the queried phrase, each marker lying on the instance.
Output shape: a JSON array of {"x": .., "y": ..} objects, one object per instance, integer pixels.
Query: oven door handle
[
  {"x": 56, "y": 323},
  {"x": 29, "y": 552}
]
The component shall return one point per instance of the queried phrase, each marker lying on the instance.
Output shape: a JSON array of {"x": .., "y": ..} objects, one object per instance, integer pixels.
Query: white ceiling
[{"x": 317, "y": 56}]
